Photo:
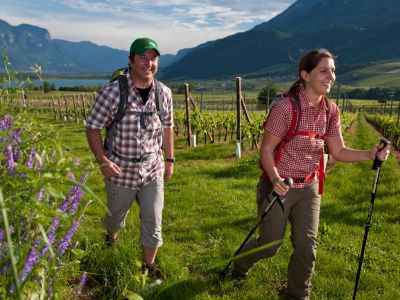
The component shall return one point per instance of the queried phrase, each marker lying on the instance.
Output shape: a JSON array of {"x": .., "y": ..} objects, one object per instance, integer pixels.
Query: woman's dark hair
[{"x": 307, "y": 63}]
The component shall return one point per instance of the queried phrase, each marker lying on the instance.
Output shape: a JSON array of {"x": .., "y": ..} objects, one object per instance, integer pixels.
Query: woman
[{"x": 300, "y": 159}]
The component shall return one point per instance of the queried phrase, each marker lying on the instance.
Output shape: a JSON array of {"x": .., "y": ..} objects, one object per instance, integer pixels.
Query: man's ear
[{"x": 131, "y": 59}]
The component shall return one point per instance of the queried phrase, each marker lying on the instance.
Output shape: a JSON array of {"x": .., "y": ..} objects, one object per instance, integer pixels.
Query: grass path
[{"x": 210, "y": 208}]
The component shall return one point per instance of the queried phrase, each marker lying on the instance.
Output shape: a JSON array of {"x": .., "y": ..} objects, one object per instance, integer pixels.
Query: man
[{"x": 135, "y": 169}]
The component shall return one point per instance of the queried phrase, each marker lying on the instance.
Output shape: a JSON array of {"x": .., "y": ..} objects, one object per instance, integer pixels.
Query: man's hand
[
  {"x": 169, "y": 170},
  {"x": 109, "y": 169}
]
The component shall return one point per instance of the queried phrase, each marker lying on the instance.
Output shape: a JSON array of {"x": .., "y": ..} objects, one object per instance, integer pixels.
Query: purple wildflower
[
  {"x": 71, "y": 176},
  {"x": 52, "y": 232},
  {"x": 31, "y": 158},
  {"x": 76, "y": 199},
  {"x": 31, "y": 260},
  {"x": 51, "y": 236},
  {"x": 77, "y": 194},
  {"x": 40, "y": 195},
  {"x": 5, "y": 123},
  {"x": 77, "y": 161},
  {"x": 82, "y": 282},
  {"x": 10, "y": 158},
  {"x": 66, "y": 240},
  {"x": 16, "y": 153},
  {"x": 2, "y": 235},
  {"x": 5, "y": 269},
  {"x": 16, "y": 137},
  {"x": 63, "y": 207}
]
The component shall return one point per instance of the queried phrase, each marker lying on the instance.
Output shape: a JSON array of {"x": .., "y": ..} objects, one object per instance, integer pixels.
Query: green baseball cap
[{"x": 141, "y": 45}]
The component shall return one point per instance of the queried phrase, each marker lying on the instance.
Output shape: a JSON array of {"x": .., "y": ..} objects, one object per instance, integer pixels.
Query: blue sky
[{"x": 174, "y": 24}]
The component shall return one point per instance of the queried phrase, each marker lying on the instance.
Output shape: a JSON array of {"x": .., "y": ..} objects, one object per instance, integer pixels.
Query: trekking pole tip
[{"x": 222, "y": 273}]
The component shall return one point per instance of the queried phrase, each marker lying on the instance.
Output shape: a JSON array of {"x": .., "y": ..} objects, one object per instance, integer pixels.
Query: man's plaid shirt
[
  {"x": 301, "y": 155},
  {"x": 130, "y": 139}
]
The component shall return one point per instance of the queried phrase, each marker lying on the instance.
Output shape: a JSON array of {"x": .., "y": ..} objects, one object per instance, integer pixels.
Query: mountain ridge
[
  {"x": 357, "y": 32},
  {"x": 27, "y": 45}
]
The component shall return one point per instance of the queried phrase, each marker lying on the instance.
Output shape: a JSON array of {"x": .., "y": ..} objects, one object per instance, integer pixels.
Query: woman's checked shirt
[{"x": 301, "y": 155}]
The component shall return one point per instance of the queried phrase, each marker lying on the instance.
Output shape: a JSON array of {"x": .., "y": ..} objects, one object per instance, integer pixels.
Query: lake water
[{"x": 73, "y": 82}]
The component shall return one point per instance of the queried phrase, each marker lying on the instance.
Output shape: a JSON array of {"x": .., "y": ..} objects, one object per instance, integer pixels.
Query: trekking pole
[
  {"x": 288, "y": 181},
  {"x": 376, "y": 166}
]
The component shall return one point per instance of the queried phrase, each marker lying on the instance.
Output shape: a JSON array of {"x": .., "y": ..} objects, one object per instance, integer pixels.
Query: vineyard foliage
[
  {"x": 388, "y": 127},
  {"x": 222, "y": 125}
]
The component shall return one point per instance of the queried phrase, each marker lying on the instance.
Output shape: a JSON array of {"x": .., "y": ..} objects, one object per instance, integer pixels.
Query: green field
[{"x": 209, "y": 209}]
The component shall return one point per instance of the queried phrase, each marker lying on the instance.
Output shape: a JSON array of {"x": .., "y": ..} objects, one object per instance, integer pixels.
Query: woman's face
[{"x": 320, "y": 80}]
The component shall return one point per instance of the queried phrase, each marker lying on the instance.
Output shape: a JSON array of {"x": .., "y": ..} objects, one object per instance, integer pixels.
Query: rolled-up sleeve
[
  {"x": 334, "y": 128},
  {"x": 104, "y": 108},
  {"x": 168, "y": 107}
]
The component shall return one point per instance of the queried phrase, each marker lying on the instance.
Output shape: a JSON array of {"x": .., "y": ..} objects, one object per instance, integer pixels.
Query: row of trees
[
  {"x": 48, "y": 87},
  {"x": 381, "y": 94}
]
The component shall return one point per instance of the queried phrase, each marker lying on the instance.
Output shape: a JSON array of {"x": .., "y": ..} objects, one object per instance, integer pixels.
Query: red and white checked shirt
[
  {"x": 130, "y": 140},
  {"x": 301, "y": 155}
]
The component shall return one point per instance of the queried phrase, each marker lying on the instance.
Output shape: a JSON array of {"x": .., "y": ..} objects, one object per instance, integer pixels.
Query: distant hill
[
  {"x": 358, "y": 32},
  {"x": 27, "y": 45}
]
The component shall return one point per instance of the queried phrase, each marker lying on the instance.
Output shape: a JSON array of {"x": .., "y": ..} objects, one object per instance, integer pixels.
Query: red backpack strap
[
  {"x": 321, "y": 161},
  {"x": 294, "y": 126}
]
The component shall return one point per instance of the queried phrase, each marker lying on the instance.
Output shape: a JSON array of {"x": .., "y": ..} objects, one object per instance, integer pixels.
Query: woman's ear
[{"x": 304, "y": 75}]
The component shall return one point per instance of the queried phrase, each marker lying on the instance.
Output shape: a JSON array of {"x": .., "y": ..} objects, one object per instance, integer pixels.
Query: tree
[{"x": 269, "y": 91}]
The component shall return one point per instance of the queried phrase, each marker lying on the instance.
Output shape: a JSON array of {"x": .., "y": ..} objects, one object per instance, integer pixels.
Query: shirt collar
[{"x": 305, "y": 100}]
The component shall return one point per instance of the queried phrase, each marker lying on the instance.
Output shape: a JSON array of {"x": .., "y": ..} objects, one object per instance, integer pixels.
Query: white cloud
[{"x": 175, "y": 24}]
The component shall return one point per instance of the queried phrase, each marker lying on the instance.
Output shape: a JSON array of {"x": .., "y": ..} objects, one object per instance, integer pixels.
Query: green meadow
[{"x": 209, "y": 209}]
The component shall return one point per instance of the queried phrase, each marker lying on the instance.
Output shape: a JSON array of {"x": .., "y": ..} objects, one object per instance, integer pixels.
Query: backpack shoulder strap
[
  {"x": 296, "y": 116},
  {"x": 294, "y": 126},
  {"x": 159, "y": 100},
  {"x": 123, "y": 100}
]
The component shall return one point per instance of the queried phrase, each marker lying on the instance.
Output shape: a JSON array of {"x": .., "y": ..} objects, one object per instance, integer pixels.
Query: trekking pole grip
[
  {"x": 288, "y": 181},
  {"x": 377, "y": 161}
]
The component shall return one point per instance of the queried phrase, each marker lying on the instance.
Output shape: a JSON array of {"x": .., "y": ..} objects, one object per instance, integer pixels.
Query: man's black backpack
[{"x": 120, "y": 75}]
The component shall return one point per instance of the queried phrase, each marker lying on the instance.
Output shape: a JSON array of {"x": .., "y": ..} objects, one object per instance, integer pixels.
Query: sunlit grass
[{"x": 209, "y": 209}]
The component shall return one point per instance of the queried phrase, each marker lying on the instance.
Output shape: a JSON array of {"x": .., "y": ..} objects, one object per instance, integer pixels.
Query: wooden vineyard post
[
  {"x": 189, "y": 98},
  {"x": 75, "y": 109},
  {"x": 94, "y": 98},
  {"x": 84, "y": 112},
  {"x": 243, "y": 103},
  {"x": 66, "y": 107},
  {"x": 59, "y": 107},
  {"x": 54, "y": 107},
  {"x": 337, "y": 95},
  {"x": 188, "y": 123},
  {"x": 238, "y": 116}
]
